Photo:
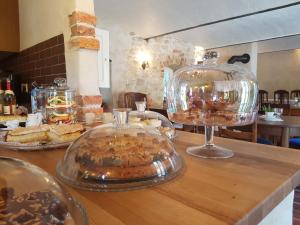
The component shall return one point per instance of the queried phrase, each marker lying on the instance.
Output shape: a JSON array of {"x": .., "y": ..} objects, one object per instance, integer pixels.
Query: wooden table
[
  {"x": 241, "y": 190},
  {"x": 281, "y": 128}
]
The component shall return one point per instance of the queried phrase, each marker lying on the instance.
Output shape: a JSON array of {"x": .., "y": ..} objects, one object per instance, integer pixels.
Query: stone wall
[{"x": 127, "y": 73}]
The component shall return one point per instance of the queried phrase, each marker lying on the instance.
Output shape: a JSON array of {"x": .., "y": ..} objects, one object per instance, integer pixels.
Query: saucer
[{"x": 274, "y": 118}]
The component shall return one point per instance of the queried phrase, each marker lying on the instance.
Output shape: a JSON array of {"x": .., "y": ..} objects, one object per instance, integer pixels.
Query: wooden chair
[
  {"x": 240, "y": 134},
  {"x": 295, "y": 94},
  {"x": 281, "y": 96},
  {"x": 131, "y": 97},
  {"x": 262, "y": 98}
]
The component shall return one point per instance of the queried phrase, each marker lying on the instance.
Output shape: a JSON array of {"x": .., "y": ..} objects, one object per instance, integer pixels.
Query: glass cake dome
[
  {"x": 29, "y": 195},
  {"x": 120, "y": 156},
  {"x": 151, "y": 120},
  {"x": 212, "y": 94}
]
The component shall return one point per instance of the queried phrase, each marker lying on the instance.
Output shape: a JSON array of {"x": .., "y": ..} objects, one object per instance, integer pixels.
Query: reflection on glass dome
[
  {"x": 212, "y": 95},
  {"x": 29, "y": 195},
  {"x": 151, "y": 120},
  {"x": 119, "y": 157}
]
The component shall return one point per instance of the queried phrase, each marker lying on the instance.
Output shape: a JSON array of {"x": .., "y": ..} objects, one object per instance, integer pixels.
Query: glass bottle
[
  {"x": 1, "y": 99},
  {"x": 9, "y": 107}
]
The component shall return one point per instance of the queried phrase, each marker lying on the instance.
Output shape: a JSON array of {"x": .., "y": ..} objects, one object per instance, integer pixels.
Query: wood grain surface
[{"x": 241, "y": 190}]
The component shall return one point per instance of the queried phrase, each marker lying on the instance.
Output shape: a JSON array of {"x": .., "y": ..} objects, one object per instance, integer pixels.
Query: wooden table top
[
  {"x": 288, "y": 121},
  {"x": 240, "y": 190}
]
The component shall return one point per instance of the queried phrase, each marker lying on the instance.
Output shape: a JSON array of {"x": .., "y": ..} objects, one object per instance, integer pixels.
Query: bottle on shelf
[
  {"x": 9, "y": 106},
  {"x": 1, "y": 98}
]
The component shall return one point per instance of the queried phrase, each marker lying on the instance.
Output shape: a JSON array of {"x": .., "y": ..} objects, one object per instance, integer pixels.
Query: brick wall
[{"x": 42, "y": 62}]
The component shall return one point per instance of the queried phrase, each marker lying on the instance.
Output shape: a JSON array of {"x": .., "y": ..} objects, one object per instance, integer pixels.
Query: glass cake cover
[
  {"x": 120, "y": 156},
  {"x": 61, "y": 106},
  {"x": 29, "y": 195},
  {"x": 151, "y": 120},
  {"x": 212, "y": 94}
]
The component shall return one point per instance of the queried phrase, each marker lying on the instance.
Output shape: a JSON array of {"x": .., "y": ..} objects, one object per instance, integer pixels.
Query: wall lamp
[{"x": 143, "y": 57}]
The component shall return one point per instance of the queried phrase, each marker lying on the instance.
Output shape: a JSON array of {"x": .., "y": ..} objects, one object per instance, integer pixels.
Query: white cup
[
  {"x": 34, "y": 119},
  {"x": 269, "y": 114},
  {"x": 90, "y": 118},
  {"x": 12, "y": 124},
  {"x": 107, "y": 117}
]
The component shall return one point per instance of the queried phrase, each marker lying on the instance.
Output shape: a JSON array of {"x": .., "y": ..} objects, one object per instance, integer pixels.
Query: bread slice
[
  {"x": 63, "y": 138},
  {"x": 63, "y": 129},
  {"x": 27, "y": 138},
  {"x": 29, "y": 130}
]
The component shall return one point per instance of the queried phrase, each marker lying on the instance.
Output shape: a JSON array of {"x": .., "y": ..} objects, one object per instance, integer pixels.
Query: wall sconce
[
  {"x": 143, "y": 57},
  {"x": 199, "y": 53}
]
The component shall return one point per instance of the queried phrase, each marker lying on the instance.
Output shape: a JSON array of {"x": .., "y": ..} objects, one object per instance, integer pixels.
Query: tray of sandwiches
[{"x": 40, "y": 137}]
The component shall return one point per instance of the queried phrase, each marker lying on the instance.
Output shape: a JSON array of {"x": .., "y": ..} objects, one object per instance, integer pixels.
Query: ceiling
[{"x": 149, "y": 18}]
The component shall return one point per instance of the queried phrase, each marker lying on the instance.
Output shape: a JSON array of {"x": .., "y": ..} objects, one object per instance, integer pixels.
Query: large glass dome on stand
[
  {"x": 212, "y": 95},
  {"x": 120, "y": 156}
]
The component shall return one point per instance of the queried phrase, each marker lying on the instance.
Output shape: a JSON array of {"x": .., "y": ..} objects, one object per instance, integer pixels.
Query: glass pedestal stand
[{"x": 209, "y": 150}]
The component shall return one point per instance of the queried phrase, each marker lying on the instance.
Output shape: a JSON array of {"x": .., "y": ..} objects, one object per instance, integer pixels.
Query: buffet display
[
  {"x": 29, "y": 195},
  {"x": 210, "y": 94},
  {"x": 119, "y": 156}
]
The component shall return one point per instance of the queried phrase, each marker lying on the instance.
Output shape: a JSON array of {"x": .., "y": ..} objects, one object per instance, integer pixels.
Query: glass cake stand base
[{"x": 210, "y": 152}]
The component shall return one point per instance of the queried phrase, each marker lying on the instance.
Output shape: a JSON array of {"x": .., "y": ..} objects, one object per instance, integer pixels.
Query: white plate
[{"x": 273, "y": 119}]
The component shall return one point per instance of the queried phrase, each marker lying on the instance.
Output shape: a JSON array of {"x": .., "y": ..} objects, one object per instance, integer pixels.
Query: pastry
[
  {"x": 28, "y": 134},
  {"x": 123, "y": 157},
  {"x": 45, "y": 133},
  {"x": 40, "y": 207},
  {"x": 65, "y": 132}
]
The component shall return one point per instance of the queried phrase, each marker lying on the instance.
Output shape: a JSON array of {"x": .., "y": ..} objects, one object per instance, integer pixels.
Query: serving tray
[{"x": 34, "y": 146}]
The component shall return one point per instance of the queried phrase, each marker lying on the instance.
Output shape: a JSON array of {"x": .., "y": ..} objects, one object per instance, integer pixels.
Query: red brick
[
  {"x": 59, "y": 69},
  {"x": 57, "y": 50},
  {"x": 60, "y": 39},
  {"x": 50, "y": 42},
  {"x": 80, "y": 30},
  {"x": 84, "y": 42},
  {"x": 33, "y": 57},
  {"x": 45, "y": 53},
  {"x": 29, "y": 66},
  {"x": 52, "y": 61},
  {"x": 40, "y": 63},
  {"x": 61, "y": 59},
  {"x": 77, "y": 17},
  {"x": 46, "y": 71}
]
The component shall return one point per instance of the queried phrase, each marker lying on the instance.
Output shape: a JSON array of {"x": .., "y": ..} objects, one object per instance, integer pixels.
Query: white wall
[
  {"x": 44, "y": 19},
  {"x": 279, "y": 70},
  {"x": 251, "y": 49}
]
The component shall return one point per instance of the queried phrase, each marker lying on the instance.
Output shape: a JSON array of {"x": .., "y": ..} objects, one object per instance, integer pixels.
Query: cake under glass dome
[
  {"x": 120, "y": 156},
  {"x": 212, "y": 94},
  {"x": 29, "y": 195}
]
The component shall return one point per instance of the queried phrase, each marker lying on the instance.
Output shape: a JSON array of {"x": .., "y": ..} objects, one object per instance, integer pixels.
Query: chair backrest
[
  {"x": 250, "y": 136},
  {"x": 295, "y": 94},
  {"x": 281, "y": 96},
  {"x": 262, "y": 98},
  {"x": 131, "y": 97}
]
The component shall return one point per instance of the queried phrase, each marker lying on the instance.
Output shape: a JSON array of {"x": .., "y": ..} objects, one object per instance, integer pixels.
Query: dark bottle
[
  {"x": 9, "y": 106},
  {"x": 1, "y": 99}
]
